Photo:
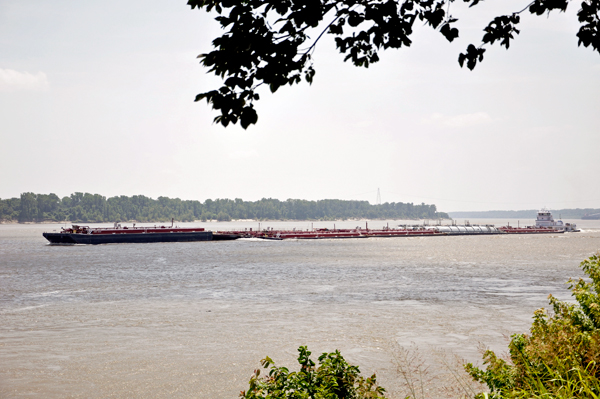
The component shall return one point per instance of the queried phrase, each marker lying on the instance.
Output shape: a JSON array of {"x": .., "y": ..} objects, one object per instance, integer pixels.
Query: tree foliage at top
[{"x": 267, "y": 41}]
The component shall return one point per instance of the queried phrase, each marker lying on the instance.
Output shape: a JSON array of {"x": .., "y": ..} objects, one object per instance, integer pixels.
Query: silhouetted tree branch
[{"x": 264, "y": 39}]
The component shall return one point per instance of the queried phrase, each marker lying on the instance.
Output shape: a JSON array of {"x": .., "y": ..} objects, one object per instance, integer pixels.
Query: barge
[
  {"x": 118, "y": 234},
  {"x": 339, "y": 233},
  {"x": 545, "y": 224},
  {"x": 358, "y": 232}
]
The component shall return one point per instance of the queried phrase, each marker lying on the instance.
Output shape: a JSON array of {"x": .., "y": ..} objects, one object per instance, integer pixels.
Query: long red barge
[
  {"x": 402, "y": 231},
  {"x": 337, "y": 233},
  {"x": 405, "y": 231},
  {"x": 545, "y": 224}
]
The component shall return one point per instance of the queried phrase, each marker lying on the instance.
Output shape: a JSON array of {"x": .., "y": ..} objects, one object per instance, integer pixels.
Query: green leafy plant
[
  {"x": 560, "y": 357},
  {"x": 333, "y": 378}
]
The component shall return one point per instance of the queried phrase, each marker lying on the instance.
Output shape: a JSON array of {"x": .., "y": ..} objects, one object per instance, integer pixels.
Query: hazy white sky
[{"x": 98, "y": 97}]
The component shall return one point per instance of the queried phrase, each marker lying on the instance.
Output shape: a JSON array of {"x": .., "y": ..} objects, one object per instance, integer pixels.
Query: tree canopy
[
  {"x": 268, "y": 42},
  {"x": 95, "y": 208}
]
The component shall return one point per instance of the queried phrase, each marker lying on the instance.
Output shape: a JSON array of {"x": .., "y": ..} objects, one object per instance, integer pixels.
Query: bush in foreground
[
  {"x": 560, "y": 357},
  {"x": 334, "y": 378}
]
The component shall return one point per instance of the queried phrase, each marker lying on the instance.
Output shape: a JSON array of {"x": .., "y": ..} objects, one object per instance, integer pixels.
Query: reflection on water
[{"x": 194, "y": 319}]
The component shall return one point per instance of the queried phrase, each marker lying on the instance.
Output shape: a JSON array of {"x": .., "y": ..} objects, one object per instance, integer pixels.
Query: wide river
[{"x": 194, "y": 319}]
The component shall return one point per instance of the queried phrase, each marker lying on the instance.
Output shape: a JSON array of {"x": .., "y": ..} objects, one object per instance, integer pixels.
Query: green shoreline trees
[{"x": 90, "y": 208}]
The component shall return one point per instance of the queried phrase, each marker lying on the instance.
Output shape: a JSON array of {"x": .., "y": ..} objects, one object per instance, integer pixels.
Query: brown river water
[{"x": 194, "y": 319}]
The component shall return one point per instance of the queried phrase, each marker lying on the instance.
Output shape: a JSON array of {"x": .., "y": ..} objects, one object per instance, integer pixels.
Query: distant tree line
[
  {"x": 85, "y": 207},
  {"x": 577, "y": 213}
]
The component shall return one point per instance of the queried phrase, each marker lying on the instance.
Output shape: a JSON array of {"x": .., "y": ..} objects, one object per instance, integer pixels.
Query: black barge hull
[{"x": 93, "y": 239}]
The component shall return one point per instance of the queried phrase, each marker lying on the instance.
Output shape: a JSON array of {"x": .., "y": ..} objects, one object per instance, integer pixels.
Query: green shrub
[
  {"x": 560, "y": 357},
  {"x": 334, "y": 378}
]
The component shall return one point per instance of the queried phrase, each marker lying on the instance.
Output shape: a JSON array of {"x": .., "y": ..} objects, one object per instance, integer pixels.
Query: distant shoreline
[{"x": 577, "y": 214}]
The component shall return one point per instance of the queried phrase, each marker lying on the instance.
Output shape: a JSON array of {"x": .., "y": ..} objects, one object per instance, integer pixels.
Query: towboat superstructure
[{"x": 545, "y": 219}]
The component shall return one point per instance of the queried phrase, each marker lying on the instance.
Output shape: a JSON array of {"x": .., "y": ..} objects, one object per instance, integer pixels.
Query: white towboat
[{"x": 545, "y": 219}]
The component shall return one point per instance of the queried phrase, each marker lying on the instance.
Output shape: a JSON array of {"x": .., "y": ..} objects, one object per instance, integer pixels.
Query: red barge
[
  {"x": 358, "y": 232},
  {"x": 545, "y": 224},
  {"x": 337, "y": 233}
]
